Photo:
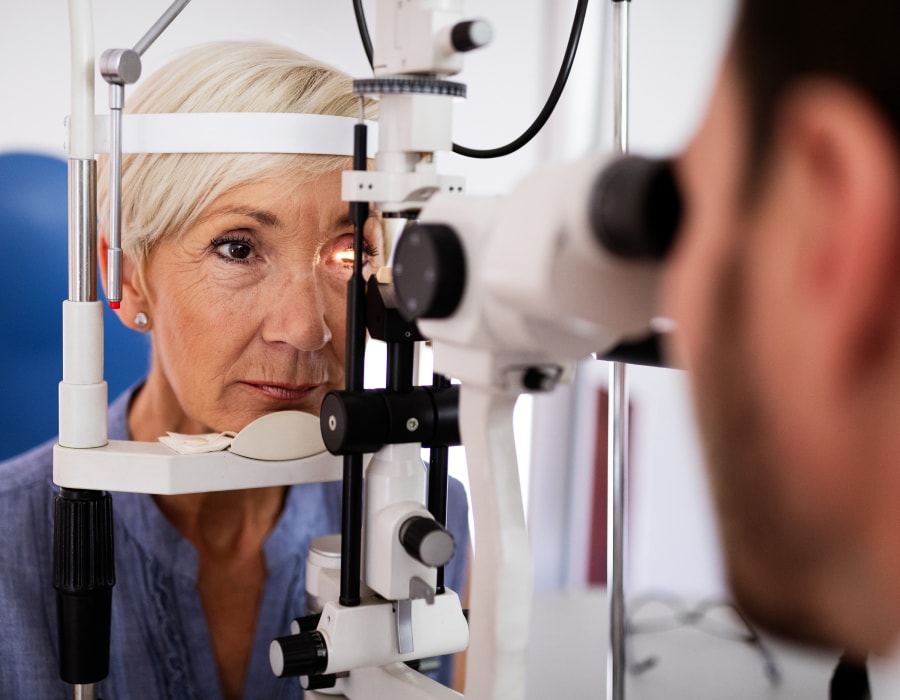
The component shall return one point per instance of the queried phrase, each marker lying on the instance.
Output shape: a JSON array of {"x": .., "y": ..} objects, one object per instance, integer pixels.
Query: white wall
[
  {"x": 675, "y": 49},
  {"x": 672, "y": 542},
  {"x": 34, "y": 62}
]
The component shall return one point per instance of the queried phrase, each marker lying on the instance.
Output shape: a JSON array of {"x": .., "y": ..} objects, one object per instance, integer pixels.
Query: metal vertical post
[{"x": 618, "y": 404}]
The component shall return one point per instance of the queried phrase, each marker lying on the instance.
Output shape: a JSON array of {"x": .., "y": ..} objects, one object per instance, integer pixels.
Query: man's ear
[
  {"x": 134, "y": 297},
  {"x": 848, "y": 260}
]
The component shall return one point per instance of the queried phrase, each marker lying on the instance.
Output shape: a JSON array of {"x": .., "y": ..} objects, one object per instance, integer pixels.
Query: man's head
[
  {"x": 779, "y": 44},
  {"x": 786, "y": 288}
]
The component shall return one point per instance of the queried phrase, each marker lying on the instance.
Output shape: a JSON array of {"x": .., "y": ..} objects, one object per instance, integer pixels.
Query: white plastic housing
[
  {"x": 412, "y": 37},
  {"x": 366, "y": 635},
  {"x": 395, "y": 492},
  {"x": 393, "y": 681},
  {"x": 415, "y": 123},
  {"x": 323, "y": 573},
  {"x": 396, "y": 190},
  {"x": 151, "y": 467},
  {"x": 500, "y": 607},
  {"x": 539, "y": 288},
  {"x": 81, "y": 21},
  {"x": 82, "y": 392}
]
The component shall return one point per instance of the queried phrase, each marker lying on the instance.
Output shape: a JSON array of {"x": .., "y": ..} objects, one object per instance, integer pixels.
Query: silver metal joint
[{"x": 120, "y": 66}]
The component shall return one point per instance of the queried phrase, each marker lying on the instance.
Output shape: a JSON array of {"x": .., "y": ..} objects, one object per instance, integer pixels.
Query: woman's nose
[{"x": 296, "y": 314}]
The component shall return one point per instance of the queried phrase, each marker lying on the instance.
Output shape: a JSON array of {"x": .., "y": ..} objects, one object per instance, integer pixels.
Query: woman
[{"x": 237, "y": 264}]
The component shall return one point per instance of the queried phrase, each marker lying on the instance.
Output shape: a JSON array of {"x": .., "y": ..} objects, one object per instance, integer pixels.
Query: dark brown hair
[{"x": 779, "y": 43}]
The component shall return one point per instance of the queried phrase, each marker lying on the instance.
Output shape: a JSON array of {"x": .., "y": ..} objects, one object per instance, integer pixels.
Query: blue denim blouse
[{"x": 160, "y": 645}]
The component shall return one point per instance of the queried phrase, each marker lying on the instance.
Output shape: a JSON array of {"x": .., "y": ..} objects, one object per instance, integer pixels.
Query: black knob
[
  {"x": 426, "y": 541},
  {"x": 636, "y": 208},
  {"x": 327, "y": 680},
  {"x": 84, "y": 576},
  {"x": 429, "y": 271},
  {"x": 307, "y": 623},
  {"x": 302, "y": 654},
  {"x": 353, "y": 422},
  {"x": 470, "y": 35}
]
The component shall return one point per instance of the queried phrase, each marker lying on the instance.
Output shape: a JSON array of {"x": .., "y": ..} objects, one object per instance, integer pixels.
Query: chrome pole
[
  {"x": 160, "y": 26},
  {"x": 86, "y": 691},
  {"x": 618, "y": 404},
  {"x": 82, "y": 229}
]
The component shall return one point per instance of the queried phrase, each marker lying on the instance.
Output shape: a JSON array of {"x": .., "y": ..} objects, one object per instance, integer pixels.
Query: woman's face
[{"x": 248, "y": 307}]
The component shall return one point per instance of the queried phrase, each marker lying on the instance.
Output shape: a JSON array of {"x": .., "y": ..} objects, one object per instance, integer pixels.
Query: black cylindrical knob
[
  {"x": 321, "y": 682},
  {"x": 429, "y": 271},
  {"x": 636, "y": 208},
  {"x": 307, "y": 623},
  {"x": 84, "y": 576},
  {"x": 426, "y": 541},
  {"x": 298, "y": 655},
  {"x": 470, "y": 35},
  {"x": 358, "y": 422},
  {"x": 446, "y": 408},
  {"x": 353, "y": 421}
]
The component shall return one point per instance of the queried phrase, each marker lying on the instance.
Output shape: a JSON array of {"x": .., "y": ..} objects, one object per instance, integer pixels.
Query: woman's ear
[{"x": 133, "y": 311}]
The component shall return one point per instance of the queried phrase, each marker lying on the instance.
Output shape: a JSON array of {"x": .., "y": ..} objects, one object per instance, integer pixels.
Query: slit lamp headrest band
[{"x": 234, "y": 132}]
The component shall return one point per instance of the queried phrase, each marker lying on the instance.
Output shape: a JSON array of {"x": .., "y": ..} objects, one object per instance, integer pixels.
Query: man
[{"x": 785, "y": 285}]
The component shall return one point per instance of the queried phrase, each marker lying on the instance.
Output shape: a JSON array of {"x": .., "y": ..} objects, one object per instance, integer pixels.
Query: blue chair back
[{"x": 33, "y": 285}]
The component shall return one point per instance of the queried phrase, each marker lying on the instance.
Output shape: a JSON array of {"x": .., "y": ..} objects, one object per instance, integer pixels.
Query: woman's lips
[{"x": 285, "y": 392}]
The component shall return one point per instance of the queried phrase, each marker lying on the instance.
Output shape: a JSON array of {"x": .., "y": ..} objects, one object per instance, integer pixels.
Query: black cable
[
  {"x": 539, "y": 122},
  {"x": 364, "y": 31},
  {"x": 552, "y": 100}
]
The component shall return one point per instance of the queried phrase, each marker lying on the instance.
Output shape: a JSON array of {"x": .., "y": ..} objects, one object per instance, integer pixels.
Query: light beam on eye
[{"x": 344, "y": 256}]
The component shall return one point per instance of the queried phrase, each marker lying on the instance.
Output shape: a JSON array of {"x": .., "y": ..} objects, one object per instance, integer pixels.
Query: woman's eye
[
  {"x": 233, "y": 250},
  {"x": 346, "y": 256}
]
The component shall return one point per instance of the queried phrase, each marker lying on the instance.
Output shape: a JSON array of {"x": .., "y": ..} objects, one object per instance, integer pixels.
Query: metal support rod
[
  {"x": 114, "y": 254},
  {"x": 82, "y": 247},
  {"x": 620, "y": 72},
  {"x": 617, "y": 483},
  {"x": 354, "y": 379},
  {"x": 160, "y": 26},
  {"x": 618, "y": 404},
  {"x": 438, "y": 470},
  {"x": 400, "y": 363},
  {"x": 120, "y": 67},
  {"x": 82, "y": 229},
  {"x": 86, "y": 691}
]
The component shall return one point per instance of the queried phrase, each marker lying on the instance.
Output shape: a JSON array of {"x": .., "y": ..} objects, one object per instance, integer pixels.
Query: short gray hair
[{"x": 163, "y": 194}]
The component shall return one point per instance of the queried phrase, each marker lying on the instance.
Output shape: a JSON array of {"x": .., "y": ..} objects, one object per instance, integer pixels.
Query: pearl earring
[{"x": 141, "y": 320}]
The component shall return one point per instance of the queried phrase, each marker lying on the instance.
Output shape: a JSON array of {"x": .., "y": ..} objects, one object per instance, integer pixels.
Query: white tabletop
[{"x": 568, "y": 651}]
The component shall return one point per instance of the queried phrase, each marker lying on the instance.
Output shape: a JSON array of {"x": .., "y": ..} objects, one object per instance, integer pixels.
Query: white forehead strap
[{"x": 234, "y": 132}]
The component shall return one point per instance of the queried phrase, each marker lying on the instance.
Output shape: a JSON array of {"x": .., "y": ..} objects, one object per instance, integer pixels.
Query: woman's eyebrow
[
  {"x": 261, "y": 216},
  {"x": 343, "y": 220},
  {"x": 332, "y": 222}
]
